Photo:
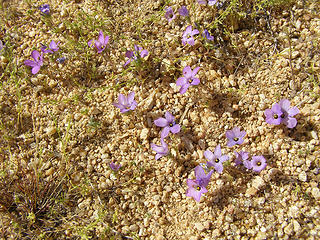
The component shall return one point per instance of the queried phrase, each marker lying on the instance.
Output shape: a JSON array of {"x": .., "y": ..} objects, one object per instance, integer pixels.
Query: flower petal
[
  {"x": 165, "y": 132},
  {"x": 144, "y": 53},
  {"x": 169, "y": 117},
  {"x": 35, "y": 54},
  {"x": 187, "y": 72},
  {"x": 195, "y": 81},
  {"x": 181, "y": 81},
  {"x": 122, "y": 99},
  {"x": 194, "y": 72},
  {"x": 184, "y": 88},
  {"x": 175, "y": 128},
  {"x": 35, "y": 69},
  {"x": 208, "y": 155},
  {"x": 30, "y": 63},
  {"x": 161, "y": 122},
  {"x": 130, "y": 97},
  {"x": 217, "y": 151}
]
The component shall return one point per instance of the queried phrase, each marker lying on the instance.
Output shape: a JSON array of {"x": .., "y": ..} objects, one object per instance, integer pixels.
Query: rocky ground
[{"x": 60, "y": 131}]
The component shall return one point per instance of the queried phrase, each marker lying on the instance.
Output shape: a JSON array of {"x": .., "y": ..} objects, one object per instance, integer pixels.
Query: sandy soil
[{"x": 60, "y": 126}]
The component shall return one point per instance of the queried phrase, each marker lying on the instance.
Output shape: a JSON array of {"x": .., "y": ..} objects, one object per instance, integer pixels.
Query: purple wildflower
[
  {"x": 45, "y": 9},
  {"x": 241, "y": 158},
  {"x": 115, "y": 167},
  {"x": 212, "y": 2},
  {"x": 207, "y": 35},
  {"x": 183, "y": 11},
  {"x": 273, "y": 115},
  {"x": 235, "y": 136},
  {"x": 202, "y": 176},
  {"x": 37, "y": 63},
  {"x": 201, "y": 2},
  {"x": 187, "y": 36},
  {"x": 53, "y": 47},
  {"x": 198, "y": 186},
  {"x": 101, "y": 43},
  {"x": 258, "y": 163},
  {"x": 195, "y": 190},
  {"x": 188, "y": 79},
  {"x": 168, "y": 124},
  {"x": 161, "y": 150},
  {"x": 288, "y": 113},
  {"x": 136, "y": 54},
  {"x": 169, "y": 14},
  {"x": 126, "y": 104},
  {"x": 216, "y": 159}
]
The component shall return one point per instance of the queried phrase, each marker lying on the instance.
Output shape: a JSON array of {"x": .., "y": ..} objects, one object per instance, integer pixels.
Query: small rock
[
  {"x": 289, "y": 229},
  {"x": 298, "y": 25},
  {"x": 216, "y": 233},
  {"x": 144, "y": 134},
  {"x": 49, "y": 172},
  {"x": 51, "y": 131},
  {"x": 303, "y": 176},
  {"x": 258, "y": 182},
  {"x": 314, "y": 135},
  {"x": 134, "y": 228},
  {"x": 296, "y": 226},
  {"x": 199, "y": 226},
  {"x": 294, "y": 212},
  {"x": 251, "y": 191},
  {"x": 95, "y": 111},
  {"x": 32, "y": 34},
  {"x": 315, "y": 193}
]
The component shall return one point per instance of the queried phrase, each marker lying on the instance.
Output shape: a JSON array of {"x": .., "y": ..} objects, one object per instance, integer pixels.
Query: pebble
[
  {"x": 258, "y": 182},
  {"x": 315, "y": 193},
  {"x": 296, "y": 226},
  {"x": 51, "y": 131},
  {"x": 303, "y": 176},
  {"x": 314, "y": 135},
  {"x": 144, "y": 134}
]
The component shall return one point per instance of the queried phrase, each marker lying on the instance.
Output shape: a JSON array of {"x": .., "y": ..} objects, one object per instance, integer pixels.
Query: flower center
[
  {"x": 275, "y": 116},
  {"x": 190, "y": 80},
  {"x": 258, "y": 163},
  {"x": 171, "y": 124},
  {"x": 236, "y": 139},
  {"x": 217, "y": 160},
  {"x": 282, "y": 115},
  {"x": 198, "y": 188}
]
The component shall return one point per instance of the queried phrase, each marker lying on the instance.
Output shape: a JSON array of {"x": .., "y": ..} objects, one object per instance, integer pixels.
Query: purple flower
[
  {"x": 273, "y": 115},
  {"x": 169, "y": 14},
  {"x": 288, "y": 113},
  {"x": 188, "y": 79},
  {"x": 216, "y": 159},
  {"x": 168, "y": 124},
  {"x": 114, "y": 167},
  {"x": 212, "y": 2},
  {"x": 187, "y": 36},
  {"x": 195, "y": 189},
  {"x": 183, "y": 11},
  {"x": 258, "y": 163},
  {"x": 37, "y": 63},
  {"x": 136, "y": 54},
  {"x": 235, "y": 136},
  {"x": 198, "y": 186},
  {"x": 126, "y": 104},
  {"x": 242, "y": 158},
  {"x": 53, "y": 46},
  {"x": 201, "y": 2},
  {"x": 202, "y": 176},
  {"x": 160, "y": 150},
  {"x": 101, "y": 43},
  {"x": 207, "y": 35},
  {"x": 45, "y": 9}
]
